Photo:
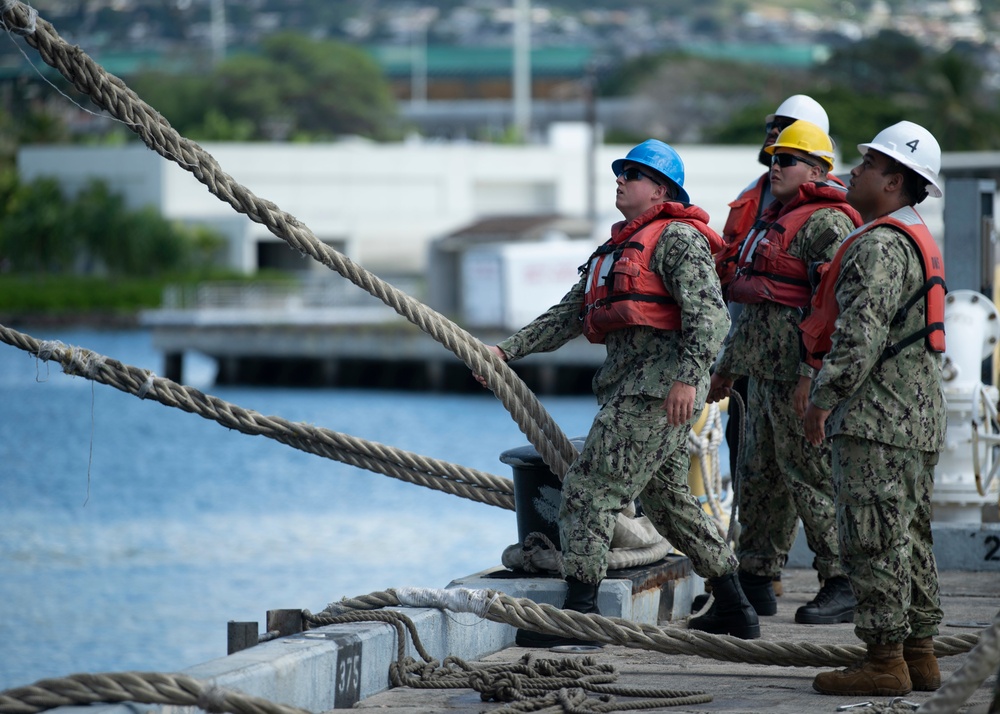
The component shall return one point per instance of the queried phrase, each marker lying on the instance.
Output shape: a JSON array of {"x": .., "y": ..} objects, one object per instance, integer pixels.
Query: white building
[{"x": 382, "y": 204}]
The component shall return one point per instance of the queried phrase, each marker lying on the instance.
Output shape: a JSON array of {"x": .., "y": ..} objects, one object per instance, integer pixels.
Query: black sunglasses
[
  {"x": 786, "y": 160},
  {"x": 780, "y": 125},
  {"x": 634, "y": 174}
]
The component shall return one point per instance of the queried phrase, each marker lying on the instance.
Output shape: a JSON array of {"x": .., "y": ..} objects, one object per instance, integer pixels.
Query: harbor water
[{"x": 132, "y": 532}]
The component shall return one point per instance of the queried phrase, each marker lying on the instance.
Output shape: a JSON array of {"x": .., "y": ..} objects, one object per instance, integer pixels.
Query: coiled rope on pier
[
  {"x": 112, "y": 95},
  {"x": 532, "y": 684}
]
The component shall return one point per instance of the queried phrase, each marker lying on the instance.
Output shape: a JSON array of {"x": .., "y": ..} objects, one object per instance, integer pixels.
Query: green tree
[
  {"x": 958, "y": 107},
  {"x": 34, "y": 235},
  {"x": 92, "y": 215},
  {"x": 95, "y": 234},
  {"x": 340, "y": 88},
  {"x": 295, "y": 87},
  {"x": 886, "y": 65},
  {"x": 890, "y": 77},
  {"x": 870, "y": 85}
]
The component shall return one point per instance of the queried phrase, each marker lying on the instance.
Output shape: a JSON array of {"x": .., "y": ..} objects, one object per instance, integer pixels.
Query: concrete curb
[
  {"x": 336, "y": 666},
  {"x": 957, "y": 546}
]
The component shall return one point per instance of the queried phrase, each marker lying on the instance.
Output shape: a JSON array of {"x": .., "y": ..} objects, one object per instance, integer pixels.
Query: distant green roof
[
  {"x": 799, "y": 55},
  {"x": 444, "y": 61},
  {"x": 128, "y": 63}
]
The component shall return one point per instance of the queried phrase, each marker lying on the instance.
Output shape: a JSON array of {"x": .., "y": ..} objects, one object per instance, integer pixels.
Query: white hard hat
[
  {"x": 912, "y": 146},
  {"x": 800, "y": 106}
]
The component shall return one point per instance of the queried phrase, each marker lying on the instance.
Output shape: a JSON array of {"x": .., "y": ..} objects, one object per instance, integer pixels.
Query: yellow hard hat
[{"x": 807, "y": 137}]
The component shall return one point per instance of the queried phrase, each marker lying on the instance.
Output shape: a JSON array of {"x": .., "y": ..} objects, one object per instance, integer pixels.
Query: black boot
[
  {"x": 580, "y": 597},
  {"x": 759, "y": 590},
  {"x": 731, "y": 613},
  {"x": 833, "y": 603}
]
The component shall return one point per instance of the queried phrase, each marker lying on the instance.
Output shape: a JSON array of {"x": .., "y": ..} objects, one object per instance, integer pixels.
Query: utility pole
[
  {"x": 218, "y": 33},
  {"x": 418, "y": 61},
  {"x": 590, "y": 103},
  {"x": 522, "y": 67}
]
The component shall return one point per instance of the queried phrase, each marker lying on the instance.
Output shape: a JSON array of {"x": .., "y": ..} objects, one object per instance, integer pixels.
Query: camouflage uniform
[
  {"x": 783, "y": 478},
  {"x": 887, "y": 427},
  {"x": 631, "y": 450}
]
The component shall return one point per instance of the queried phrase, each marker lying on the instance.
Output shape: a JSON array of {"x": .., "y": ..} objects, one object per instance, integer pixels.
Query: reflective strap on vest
[{"x": 893, "y": 350}]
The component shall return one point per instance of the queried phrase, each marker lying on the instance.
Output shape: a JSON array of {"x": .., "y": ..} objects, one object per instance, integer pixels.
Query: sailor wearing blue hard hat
[
  {"x": 654, "y": 161},
  {"x": 651, "y": 295}
]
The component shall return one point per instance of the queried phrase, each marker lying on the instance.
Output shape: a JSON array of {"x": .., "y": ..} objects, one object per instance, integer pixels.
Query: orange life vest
[
  {"x": 622, "y": 290},
  {"x": 744, "y": 211},
  {"x": 818, "y": 327},
  {"x": 766, "y": 271}
]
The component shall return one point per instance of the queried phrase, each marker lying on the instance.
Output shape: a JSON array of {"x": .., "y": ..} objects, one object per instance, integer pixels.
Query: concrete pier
[
  {"x": 346, "y": 666},
  {"x": 351, "y": 347}
]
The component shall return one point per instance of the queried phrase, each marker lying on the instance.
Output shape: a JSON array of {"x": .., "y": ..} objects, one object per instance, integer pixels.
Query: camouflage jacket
[
  {"x": 899, "y": 401},
  {"x": 764, "y": 343},
  {"x": 645, "y": 360}
]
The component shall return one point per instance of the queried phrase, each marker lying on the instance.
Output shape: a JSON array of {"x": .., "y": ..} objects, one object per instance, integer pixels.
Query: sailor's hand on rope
[
  {"x": 499, "y": 353},
  {"x": 680, "y": 404},
  {"x": 719, "y": 388},
  {"x": 816, "y": 424},
  {"x": 800, "y": 397}
]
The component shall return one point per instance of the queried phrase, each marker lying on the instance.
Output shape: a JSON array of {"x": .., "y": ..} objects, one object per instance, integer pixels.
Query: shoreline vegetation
[
  {"x": 66, "y": 301},
  {"x": 38, "y": 300},
  {"x": 97, "y": 319}
]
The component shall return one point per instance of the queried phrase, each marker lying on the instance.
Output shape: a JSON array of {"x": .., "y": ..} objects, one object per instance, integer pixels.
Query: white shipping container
[{"x": 507, "y": 285}]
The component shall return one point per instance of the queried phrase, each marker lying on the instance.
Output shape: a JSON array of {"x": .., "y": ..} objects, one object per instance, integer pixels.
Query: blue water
[{"x": 131, "y": 532}]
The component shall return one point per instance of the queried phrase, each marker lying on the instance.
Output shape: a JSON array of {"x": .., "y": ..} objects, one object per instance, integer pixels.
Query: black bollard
[{"x": 537, "y": 492}]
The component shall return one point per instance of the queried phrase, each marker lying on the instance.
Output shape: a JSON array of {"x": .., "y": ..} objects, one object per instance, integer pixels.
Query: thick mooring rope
[
  {"x": 539, "y": 617},
  {"x": 404, "y": 465},
  {"x": 143, "y": 687},
  {"x": 112, "y": 95}
]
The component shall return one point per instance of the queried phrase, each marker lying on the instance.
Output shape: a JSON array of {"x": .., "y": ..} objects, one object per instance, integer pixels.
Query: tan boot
[
  {"x": 922, "y": 664},
  {"x": 882, "y": 673}
]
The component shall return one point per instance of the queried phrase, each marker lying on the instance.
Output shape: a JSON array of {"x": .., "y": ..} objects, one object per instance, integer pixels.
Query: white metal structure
[{"x": 964, "y": 480}]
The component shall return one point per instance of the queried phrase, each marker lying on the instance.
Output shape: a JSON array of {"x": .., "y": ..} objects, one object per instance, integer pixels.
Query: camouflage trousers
[
  {"x": 783, "y": 479},
  {"x": 884, "y": 525},
  {"x": 631, "y": 451}
]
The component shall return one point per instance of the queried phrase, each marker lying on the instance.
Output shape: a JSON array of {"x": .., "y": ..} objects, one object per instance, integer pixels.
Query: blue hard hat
[{"x": 662, "y": 159}]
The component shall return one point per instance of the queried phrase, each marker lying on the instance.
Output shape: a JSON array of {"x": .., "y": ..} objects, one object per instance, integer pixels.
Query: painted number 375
[{"x": 348, "y": 674}]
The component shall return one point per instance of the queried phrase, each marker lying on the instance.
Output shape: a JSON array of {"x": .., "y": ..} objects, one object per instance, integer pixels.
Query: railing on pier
[{"x": 276, "y": 295}]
